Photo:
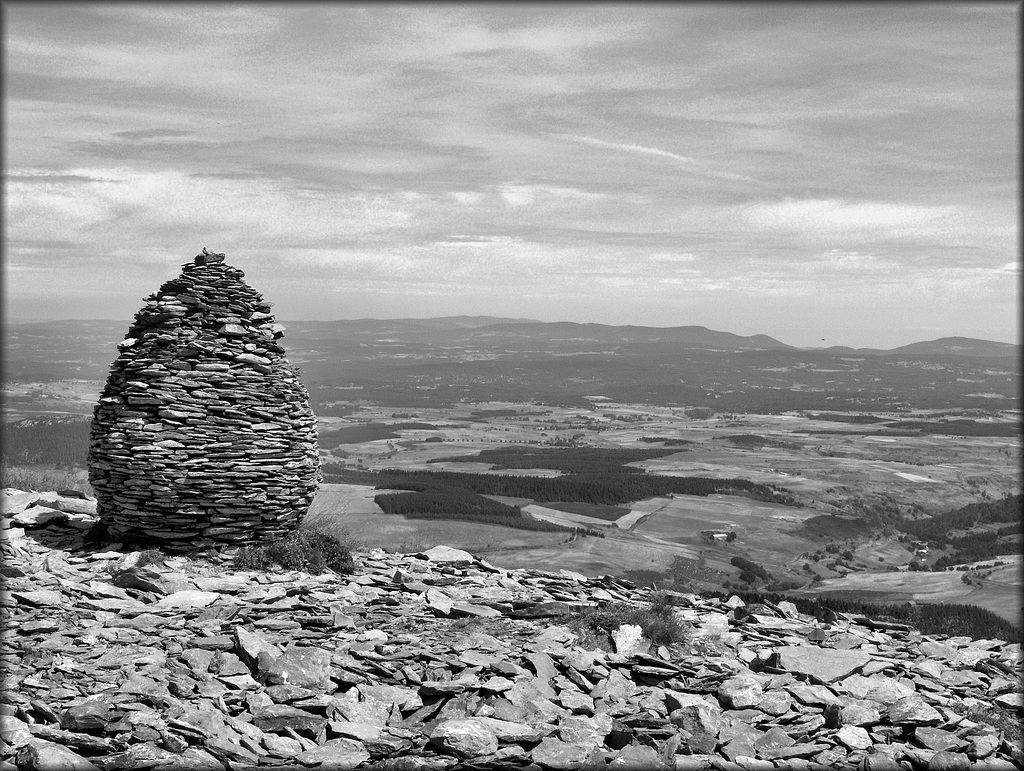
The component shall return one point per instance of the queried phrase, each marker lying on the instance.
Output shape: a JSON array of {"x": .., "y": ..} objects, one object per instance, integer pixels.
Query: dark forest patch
[
  {"x": 834, "y": 417},
  {"x": 958, "y": 427},
  {"x": 607, "y": 513},
  {"x": 571, "y": 460},
  {"x": 610, "y": 489},
  {"x": 453, "y": 503},
  {"x": 757, "y": 442},
  {"x": 830, "y": 526},
  {"x": 368, "y": 432}
]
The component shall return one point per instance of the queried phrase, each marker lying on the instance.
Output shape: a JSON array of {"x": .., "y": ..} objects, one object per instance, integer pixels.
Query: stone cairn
[{"x": 203, "y": 434}]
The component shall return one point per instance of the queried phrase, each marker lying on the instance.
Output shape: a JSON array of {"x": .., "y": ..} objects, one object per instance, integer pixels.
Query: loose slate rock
[
  {"x": 937, "y": 739},
  {"x": 825, "y": 664},
  {"x": 264, "y": 675},
  {"x": 854, "y": 737},
  {"x": 465, "y": 738},
  {"x": 448, "y": 554},
  {"x": 739, "y": 692},
  {"x": 303, "y": 667},
  {"x": 341, "y": 754},
  {"x": 637, "y": 756},
  {"x": 279, "y": 718},
  {"x": 913, "y": 710},
  {"x": 949, "y": 761},
  {"x": 48, "y": 756},
  {"x": 558, "y": 754}
]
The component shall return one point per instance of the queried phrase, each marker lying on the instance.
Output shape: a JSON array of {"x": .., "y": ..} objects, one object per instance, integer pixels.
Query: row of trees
[
  {"x": 947, "y": 531},
  {"x": 937, "y": 529},
  {"x": 750, "y": 571},
  {"x": 666, "y": 440},
  {"x": 833, "y": 417},
  {"x": 980, "y": 546}
]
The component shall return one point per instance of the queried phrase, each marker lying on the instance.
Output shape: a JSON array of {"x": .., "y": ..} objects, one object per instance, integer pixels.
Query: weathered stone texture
[
  {"x": 203, "y": 433},
  {"x": 287, "y": 670}
]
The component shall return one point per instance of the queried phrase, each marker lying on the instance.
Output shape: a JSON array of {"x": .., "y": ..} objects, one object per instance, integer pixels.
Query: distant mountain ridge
[
  {"x": 692, "y": 336},
  {"x": 689, "y": 336},
  {"x": 466, "y": 329},
  {"x": 436, "y": 323},
  {"x": 943, "y": 346}
]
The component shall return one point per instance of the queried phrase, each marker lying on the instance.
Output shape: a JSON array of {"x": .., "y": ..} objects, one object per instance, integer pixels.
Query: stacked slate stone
[{"x": 203, "y": 434}]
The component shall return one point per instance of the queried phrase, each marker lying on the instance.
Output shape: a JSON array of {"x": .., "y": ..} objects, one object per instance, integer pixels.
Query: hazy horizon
[
  {"x": 821, "y": 345},
  {"x": 823, "y": 174}
]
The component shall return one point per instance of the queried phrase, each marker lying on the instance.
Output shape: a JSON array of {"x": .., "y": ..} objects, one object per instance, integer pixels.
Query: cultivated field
[
  {"x": 999, "y": 591},
  {"x": 841, "y": 472}
]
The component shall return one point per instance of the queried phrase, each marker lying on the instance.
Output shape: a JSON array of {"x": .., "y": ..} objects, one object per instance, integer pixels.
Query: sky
[{"x": 826, "y": 174}]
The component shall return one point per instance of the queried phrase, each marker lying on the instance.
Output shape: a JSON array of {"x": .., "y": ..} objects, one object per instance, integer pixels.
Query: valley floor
[{"x": 847, "y": 488}]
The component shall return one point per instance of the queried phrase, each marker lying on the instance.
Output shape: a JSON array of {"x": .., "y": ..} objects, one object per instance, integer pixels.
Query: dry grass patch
[{"x": 309, "y": 549}]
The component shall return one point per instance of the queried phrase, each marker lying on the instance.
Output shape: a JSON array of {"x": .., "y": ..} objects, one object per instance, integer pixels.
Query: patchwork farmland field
[
  {"x": 998, "y": 591},
  {"x": 842, "y": 492}
]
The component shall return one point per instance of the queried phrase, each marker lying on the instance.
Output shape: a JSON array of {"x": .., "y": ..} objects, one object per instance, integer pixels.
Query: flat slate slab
[{"x": 826, "y": 664}]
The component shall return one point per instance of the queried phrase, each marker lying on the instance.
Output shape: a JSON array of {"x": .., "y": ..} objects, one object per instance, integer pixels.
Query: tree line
[
  {"x": 935, "y": 529},
  {"x": 980, "y": 546},
  {"x": 750, "y": 571},
  {"x": 939, "y": 531},
  {"x": 961, "y": 427},
  {"x": 607, "y": 488},
  {"x": 666, "y": 440}
]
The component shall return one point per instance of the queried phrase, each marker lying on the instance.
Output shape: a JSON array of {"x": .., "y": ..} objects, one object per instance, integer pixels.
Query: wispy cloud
[
  {"x": 525, "y": 195},
  {"x": 689, "y": 163},
  {"x": 153, "y": 133},
  {"x": 626, "y": 148}
]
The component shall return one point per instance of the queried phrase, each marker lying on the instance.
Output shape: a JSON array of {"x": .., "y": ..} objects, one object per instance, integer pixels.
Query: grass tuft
[
  {"x": 657, "y": 620},
  {"x": 43, "y": 478},
  {"x": 151, "y": 557},
  {"x": 309, "y": 549}
]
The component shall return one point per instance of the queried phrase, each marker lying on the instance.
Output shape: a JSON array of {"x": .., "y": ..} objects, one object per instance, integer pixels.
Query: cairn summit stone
[{"x": 203, "y": 434}]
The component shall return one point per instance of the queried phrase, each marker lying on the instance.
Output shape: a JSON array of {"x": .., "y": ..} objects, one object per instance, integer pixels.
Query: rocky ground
[{"x": 117, "y": 660}]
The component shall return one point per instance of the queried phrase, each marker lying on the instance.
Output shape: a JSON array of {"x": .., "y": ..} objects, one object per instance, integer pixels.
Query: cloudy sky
[{"x": 807, "y": 171}]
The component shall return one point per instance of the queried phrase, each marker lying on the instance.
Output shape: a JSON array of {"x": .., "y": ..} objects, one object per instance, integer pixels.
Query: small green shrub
[
  {"x": 309, "y": 549},
  {"x": 657, "y": 620},
  {"x": 252, "y": 558},
  {"x": 151, "y": 557}
]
